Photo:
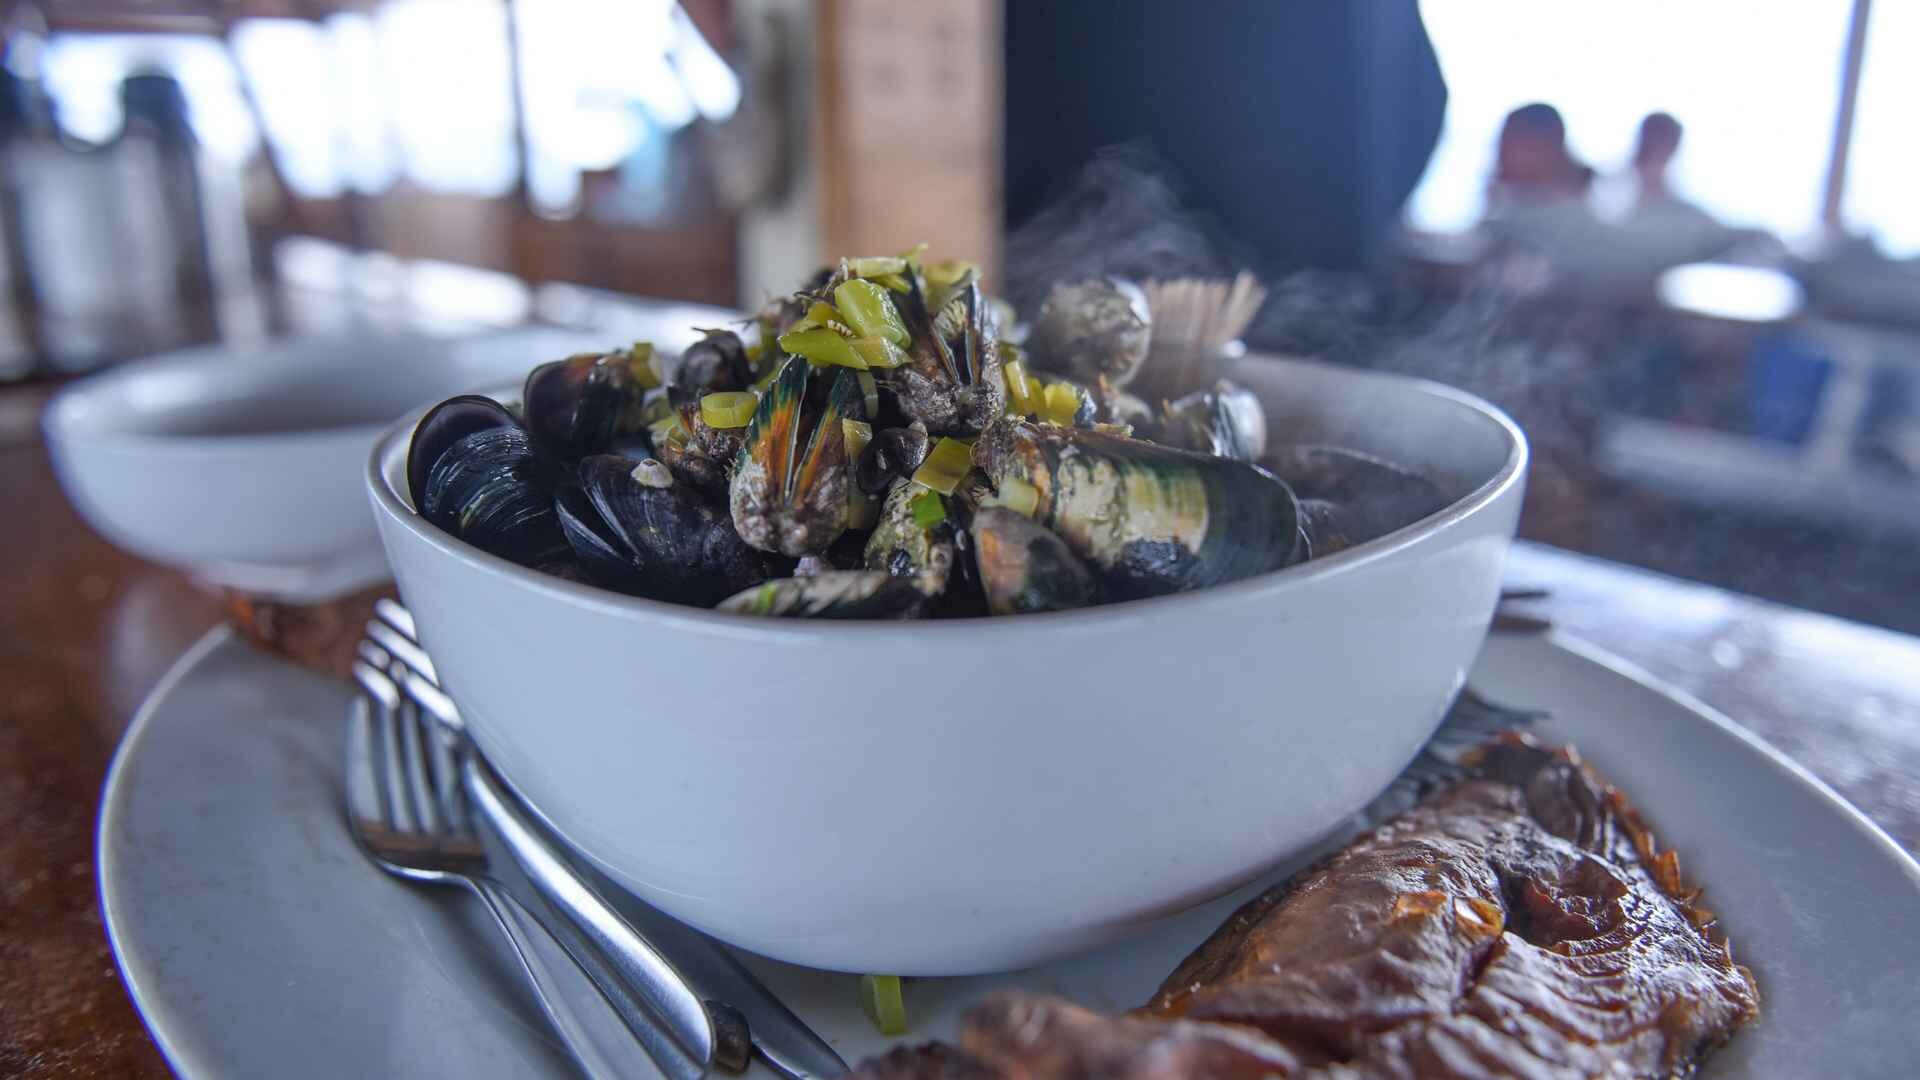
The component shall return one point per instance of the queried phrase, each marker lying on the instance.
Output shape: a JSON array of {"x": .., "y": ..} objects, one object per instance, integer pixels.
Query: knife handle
[
  {"x": 652, "y": 999},
  {"x": 594, "y": 1034}
]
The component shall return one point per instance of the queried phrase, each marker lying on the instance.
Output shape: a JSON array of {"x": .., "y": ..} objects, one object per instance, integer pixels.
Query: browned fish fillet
[{"x": 1521, "y": 923}]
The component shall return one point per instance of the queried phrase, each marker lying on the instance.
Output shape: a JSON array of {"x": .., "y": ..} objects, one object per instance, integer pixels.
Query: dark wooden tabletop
[{"x": 86, "y": 631}]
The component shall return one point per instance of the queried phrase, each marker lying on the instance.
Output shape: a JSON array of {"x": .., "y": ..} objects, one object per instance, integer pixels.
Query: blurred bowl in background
[{"x": 244, "y": 466}]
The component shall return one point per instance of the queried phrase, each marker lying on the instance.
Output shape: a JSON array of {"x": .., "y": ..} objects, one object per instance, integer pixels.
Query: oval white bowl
[
  {"x": 977, "y": 795},
  {"x": 244, "y": 467}
]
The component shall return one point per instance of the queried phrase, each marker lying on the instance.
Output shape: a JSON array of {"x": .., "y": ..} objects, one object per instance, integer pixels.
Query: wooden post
[
  {"x": 1843, "y": 116},
  {"x": 907, "y": 129}
]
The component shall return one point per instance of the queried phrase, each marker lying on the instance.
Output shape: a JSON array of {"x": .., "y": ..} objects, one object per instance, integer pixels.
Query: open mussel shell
[
  {"x": 1227, "y": 420},
  {"x": 1369, "y": 496},
  {"x": 1093, "y": 328},
  {"x": 654, "y": 536},
  {"x": 834, "y": 594},
  {"x": 1147, "y": 519},
  {"x": 952, "y": 383},
  {"x": 491, "y": 489},
  {"x": 580, "y": 405},
  {"x": 442, "y": 426},
  {"x": 788, "y": 494},
  {"x": 1025, "y": 568},
  {"x": 600, "y": 554}
]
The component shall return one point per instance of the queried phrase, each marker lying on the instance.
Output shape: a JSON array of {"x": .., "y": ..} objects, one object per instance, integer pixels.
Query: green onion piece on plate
[{"x": 883, "y": 1003}]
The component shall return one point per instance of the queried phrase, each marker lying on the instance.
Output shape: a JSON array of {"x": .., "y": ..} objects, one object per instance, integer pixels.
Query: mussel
[
  {"x": 1025, "y": 568},
  {"x": 473, "y": 471},
  {"x": 900, "y": 545},
  {"x": 1352, "y": 496},
  {"x": 789, "y": 489},
  {"x": 952, "y": 381},
  {"x": 893, "y": 454},
  {"x": 634, "y": 528},
  {"x": 580, "y": 405},
  {"x": 698, "y": 453},
  {"x": 1093, "y": 328},
  {"x": 1147, "y": 519},
  {"x": 716, "y": 362},
  {"x": 834, "y": 594},
  {"x": 1227, "y": 420}
]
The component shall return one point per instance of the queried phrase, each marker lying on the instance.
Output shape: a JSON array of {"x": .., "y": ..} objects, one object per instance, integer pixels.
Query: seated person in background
[
  {"x": 1537, "y": 196},
  {"x": 1657, "y": 227},
  {"x": 1531, "y": 161}
]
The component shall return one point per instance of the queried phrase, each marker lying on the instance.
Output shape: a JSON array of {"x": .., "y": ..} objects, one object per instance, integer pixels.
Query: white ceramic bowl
[
  {"x": 245, "y": 467},
  {"x": 975, "y": 795}
]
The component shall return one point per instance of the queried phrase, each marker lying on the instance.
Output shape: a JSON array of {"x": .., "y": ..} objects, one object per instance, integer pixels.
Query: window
[{"x": 1756, "y": 87}]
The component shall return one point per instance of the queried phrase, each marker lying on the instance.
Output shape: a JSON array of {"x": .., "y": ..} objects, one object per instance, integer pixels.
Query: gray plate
[{"x": 257, "y": 941}]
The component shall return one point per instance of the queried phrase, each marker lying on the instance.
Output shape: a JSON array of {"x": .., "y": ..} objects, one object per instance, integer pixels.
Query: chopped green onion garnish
[
  {"x": 946, "y": 465},
  {"x": 869, "y": 310},
  {"x": 1016, "y": 495},
  {"x": 948, "y": 272},
  {"x": 728, "y": 408},
  {"x": 818, "y": 314},
  {"x": 858, "y": 434},
  {"x": 879, "y": 352},
  {"x": 823, "y": 347},
  {"x": 1060, "y": 404},
  {"x": 869, "y": 389},
  {"x": 928, "y": 509},
  {"x": 1020, "y": 387},
  {"x": 644, "y": 363},
  {"x": 667, "y": 430},
  {"x": 877, "y": 264},
  {"x": 884, "y": 1004},
  {"x": 893, "y": 282}
]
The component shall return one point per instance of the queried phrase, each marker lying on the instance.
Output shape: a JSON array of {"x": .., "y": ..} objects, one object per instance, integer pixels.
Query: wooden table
[{"x": 85, "y": 632}]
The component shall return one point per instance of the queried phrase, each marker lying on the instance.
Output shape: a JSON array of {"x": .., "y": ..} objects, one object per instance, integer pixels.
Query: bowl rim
[
  {"x": 92, "y": 410},
  {"x": 391, "y": 503}
]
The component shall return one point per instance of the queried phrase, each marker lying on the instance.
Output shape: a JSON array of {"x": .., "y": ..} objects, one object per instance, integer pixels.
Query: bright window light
[{"x": 1754, "y": 85}]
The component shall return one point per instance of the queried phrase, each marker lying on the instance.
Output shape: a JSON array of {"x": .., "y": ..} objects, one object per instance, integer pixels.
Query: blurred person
[
  {"x": 1653, "y": 154},
  {"x": 1531, "y": 161},
  {"x": 1536, "y": 218},
  {"x": 1296, "y": 129}
]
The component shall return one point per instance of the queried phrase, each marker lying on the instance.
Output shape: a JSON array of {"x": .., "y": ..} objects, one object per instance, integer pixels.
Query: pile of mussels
[{"x": 888, "y": 450}]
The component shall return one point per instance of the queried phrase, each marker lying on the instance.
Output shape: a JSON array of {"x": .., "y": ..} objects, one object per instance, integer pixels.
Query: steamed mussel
[
  {"x": 473, "y": 471},
  {"x": 884, "y": 450},
  {"x": 1148, "y": 519}
]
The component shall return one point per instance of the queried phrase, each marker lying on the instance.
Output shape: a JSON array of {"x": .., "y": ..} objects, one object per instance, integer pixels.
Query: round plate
[{"x": 258, "y": 942}]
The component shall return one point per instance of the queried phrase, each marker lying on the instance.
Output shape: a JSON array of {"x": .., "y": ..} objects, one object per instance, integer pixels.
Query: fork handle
[
  {"x": 594, "y": 1034},
  {"x": 654, "y": 1001}
]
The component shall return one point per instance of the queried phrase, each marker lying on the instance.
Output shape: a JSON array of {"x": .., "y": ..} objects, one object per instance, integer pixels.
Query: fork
[
  {"x": 425, "y": 809},
  {"x": 751, "y": 1012}
]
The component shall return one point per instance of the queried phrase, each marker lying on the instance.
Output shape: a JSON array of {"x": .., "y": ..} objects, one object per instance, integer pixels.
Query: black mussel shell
[
  {"x": 679, "y": 547},
  {"x": 893, "y": 454},
  {"x": 493, "y": 490},
  {"x": 1024, "y": 568},
  {"x": 601, "y": 555},
  {"x": 1369, "y": 496},
  {"x": 579, "y": 405},
  {"x": 443, "y": 425},
  {"x": 714, "y": 363}
]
